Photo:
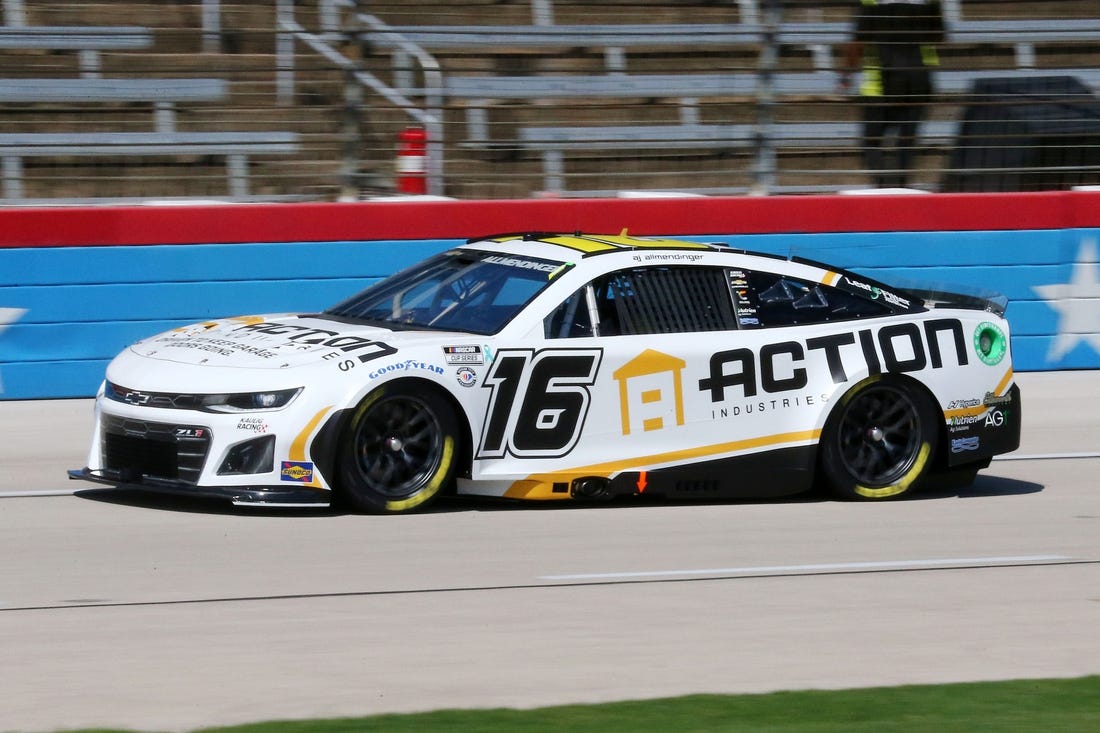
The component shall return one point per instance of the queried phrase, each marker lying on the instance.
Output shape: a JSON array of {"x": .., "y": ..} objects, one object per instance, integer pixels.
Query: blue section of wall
[
  {"x": 211, "y": 262},
  {"x": 65, "y": 311},
  {"x": 1051, "y": 278}
]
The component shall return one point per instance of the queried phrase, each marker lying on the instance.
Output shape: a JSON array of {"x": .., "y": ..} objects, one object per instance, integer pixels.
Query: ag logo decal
[{"x": 539, "y": 403}]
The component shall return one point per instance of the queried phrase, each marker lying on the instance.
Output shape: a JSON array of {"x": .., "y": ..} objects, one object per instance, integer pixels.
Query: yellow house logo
[{"x": 651, "y": 392}]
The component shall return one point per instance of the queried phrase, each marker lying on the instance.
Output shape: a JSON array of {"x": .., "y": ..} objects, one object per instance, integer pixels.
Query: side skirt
[{"x": 758, "y": 475}]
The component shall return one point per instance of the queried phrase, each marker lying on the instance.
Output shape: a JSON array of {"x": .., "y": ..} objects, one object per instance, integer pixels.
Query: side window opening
[
  {"x": 660, "y": 299},
  {"x": 647, "y": 300},
  {"x": 787, "y": 301}
]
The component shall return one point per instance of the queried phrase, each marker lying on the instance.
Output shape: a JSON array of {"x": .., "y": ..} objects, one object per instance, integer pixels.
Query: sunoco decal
[{"x": 298, "y": 471}]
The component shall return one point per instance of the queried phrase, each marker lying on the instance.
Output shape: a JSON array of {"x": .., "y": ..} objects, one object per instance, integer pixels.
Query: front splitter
[{"x": 254, "y": 496}]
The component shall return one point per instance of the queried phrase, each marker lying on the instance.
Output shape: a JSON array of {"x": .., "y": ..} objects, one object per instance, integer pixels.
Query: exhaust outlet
[{"x": 590, "y": 487}]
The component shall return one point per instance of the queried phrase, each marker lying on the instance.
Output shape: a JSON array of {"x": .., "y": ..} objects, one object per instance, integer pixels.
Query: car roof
[
  {"x": 588, "y": 244},
  {"x": 566, "y": 247}
]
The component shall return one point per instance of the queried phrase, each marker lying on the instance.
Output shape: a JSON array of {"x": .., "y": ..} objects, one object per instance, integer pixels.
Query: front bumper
[
  {"x": 263, "y": 457},
  {"x": 260, "y": 496}
]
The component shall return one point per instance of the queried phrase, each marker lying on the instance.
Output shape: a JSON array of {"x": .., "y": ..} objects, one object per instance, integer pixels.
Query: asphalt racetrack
[{"x": 159, "y": 614}]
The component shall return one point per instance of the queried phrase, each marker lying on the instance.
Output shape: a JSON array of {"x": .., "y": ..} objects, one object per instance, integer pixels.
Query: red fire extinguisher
[{"x": 412, "y": 161}]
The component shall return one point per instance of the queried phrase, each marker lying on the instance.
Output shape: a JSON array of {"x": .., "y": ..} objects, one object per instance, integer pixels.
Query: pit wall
[{"x": 79, "y": 284}]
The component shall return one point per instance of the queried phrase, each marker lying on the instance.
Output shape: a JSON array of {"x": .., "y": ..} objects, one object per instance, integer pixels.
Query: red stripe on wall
[{"x": 125, "y": 225}]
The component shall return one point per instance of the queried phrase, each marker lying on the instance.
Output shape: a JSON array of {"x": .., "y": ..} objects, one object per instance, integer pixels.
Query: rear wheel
[
  {"x": 880, "y": 440},
  {"x": 399, "y": 450}
]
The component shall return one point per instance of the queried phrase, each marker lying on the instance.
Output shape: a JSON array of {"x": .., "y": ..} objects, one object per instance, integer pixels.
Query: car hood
[{"x": 279, "y": 342}]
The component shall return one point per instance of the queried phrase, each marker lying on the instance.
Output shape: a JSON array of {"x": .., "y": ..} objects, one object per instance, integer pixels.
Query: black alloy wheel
[
  {"x": 879, "y": 443},
  {"x": 399, "y": 451}
]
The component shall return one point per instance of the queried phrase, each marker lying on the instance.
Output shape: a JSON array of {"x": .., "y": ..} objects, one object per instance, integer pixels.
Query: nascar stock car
[{"x": 569, "y": 366}]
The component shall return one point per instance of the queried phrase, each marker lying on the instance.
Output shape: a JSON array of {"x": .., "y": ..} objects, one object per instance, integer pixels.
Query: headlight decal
[{"x": 250, "y": 401}]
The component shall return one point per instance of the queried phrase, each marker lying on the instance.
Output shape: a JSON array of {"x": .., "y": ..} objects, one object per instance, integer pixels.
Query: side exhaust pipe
[{"x": 590, "y": 487}]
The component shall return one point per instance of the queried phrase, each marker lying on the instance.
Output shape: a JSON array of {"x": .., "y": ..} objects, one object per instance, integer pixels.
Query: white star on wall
[
  {"x": 1077, "y": 303},
  {"x": 9, "y": 316}
]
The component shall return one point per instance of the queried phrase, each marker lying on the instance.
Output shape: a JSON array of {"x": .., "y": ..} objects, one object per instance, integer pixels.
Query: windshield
[{"x": 460, "y": 290}]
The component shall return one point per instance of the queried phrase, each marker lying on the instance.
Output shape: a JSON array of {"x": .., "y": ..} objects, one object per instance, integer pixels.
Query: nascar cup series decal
[{"x": 469, "y": 355}]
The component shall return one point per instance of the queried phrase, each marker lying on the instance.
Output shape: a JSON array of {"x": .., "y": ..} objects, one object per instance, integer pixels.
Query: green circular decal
[{"x": 990, "y": 343}]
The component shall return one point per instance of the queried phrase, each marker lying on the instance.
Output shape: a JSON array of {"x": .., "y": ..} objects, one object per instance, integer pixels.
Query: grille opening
[
  {"x": 138, "y": 449},
  {"x": 142, "y": 457}
]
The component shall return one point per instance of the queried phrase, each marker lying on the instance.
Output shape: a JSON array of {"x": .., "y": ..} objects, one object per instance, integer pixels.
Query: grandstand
[{"x": 119, "y": 100}]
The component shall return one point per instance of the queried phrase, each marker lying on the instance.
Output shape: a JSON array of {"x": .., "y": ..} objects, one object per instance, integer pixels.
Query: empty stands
[
  {"x": 557, "y": 96},
  {"x": 50, "y": 105}
]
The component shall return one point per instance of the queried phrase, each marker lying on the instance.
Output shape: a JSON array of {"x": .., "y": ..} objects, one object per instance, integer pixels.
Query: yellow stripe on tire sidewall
[
  {"x": 904, "y": 483},
  {"x": 433, "y": 486}
]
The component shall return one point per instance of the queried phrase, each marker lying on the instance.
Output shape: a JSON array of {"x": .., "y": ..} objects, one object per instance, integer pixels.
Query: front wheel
[
  {"x": 399, "y": 450},
  {"x": 880, "y": 441}
]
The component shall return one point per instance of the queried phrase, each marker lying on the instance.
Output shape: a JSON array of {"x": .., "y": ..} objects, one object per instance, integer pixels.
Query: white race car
[{"x": 546, "y": 366}]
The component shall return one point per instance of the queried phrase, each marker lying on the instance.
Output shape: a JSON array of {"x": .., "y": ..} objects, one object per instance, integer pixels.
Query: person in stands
[{"x": 893, "y": 44}]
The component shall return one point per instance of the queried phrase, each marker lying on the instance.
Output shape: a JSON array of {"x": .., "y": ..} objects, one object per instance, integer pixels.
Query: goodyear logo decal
[{"x": 299, "y": 471}]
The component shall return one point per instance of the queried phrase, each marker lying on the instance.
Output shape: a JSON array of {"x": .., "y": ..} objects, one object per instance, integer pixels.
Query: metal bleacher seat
[
  {"x": 552, "y": 142},
  {"x": 88, "y": 41},
  {"x": 595, "y": 35},
  {"x": 235, "y": 146},
  {"x": 161, "y": 93},
  {"x": 91, "y": 89}
]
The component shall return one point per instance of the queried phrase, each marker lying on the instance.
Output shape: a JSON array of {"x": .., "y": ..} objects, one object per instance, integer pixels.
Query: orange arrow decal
[{"x": 641, "y": 482}]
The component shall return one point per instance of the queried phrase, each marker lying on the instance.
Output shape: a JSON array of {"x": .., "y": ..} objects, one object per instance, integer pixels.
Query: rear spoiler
[{"x": 959, "y": 296}]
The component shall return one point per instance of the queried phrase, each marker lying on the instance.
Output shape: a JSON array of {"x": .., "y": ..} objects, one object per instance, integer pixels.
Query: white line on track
[
  {"x": 1043, "y": 456},
  {"x": 821, "y": 567},
  {"x": 51, "y": 492}
]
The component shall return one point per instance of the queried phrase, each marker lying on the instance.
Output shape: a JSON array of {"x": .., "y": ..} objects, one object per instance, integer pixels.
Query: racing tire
[
  {"x": 880, "y": 440},
  {"x": 399, "y": 450}
]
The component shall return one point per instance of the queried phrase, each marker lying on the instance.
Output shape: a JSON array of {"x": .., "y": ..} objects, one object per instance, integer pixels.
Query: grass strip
[{"x": 1020, "y": 706}]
